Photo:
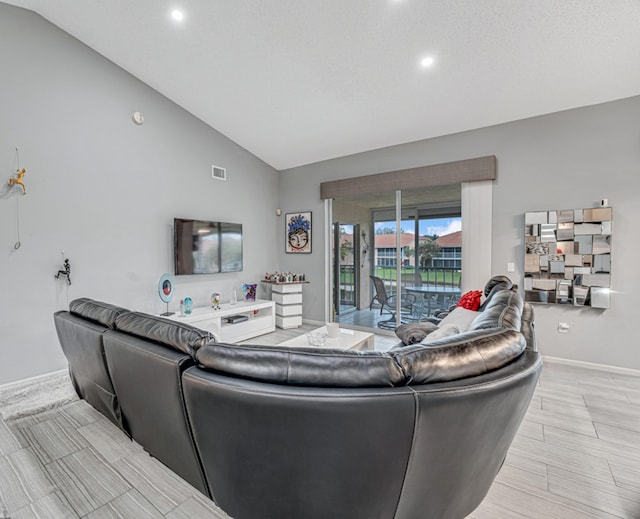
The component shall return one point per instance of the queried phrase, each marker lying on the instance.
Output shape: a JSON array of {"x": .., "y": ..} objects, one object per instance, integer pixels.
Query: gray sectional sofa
[{"x": 276, "y": 432}]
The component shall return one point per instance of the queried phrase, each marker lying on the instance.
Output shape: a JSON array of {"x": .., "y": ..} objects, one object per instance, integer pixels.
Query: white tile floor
[{"x": 576, "y": 455}]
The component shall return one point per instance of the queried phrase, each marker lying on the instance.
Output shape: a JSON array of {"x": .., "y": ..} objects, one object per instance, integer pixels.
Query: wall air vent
[{"x": 219, "y": 173}]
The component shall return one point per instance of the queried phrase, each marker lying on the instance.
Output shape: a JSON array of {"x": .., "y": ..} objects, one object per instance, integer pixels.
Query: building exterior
[
  {"x": 385, "y": 249},
  {"x": 450, "y": 255}
]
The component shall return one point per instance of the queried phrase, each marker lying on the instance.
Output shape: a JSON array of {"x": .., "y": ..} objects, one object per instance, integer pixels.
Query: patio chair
[{"x": 387, "y": 302}]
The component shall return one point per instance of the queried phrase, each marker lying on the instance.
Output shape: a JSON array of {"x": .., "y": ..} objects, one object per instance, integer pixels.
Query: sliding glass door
[
  {"x": 431, "y": 278},
  {"x": 406, "y": 261}
]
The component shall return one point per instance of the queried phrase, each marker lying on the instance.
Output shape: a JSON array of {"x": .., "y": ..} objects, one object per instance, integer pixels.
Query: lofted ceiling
[{"x": 300, "y": 81}]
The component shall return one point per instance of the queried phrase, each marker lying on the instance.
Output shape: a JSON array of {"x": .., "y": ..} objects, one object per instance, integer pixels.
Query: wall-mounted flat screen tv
[{"x": 203, "y": 247}]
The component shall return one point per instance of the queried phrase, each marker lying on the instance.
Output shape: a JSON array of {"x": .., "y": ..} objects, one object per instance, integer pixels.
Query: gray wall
[
  {"x": 105, "y": 190},
  {"x": 564, "y": 160}
]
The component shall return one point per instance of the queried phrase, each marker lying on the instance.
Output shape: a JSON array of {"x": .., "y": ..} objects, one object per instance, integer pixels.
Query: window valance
[{"x": 468, "y": 170}]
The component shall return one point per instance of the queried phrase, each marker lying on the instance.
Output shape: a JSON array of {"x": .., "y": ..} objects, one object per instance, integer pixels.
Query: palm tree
[
  {"x": 427, "y": 250},
  {"x": 346, "y": 247}
]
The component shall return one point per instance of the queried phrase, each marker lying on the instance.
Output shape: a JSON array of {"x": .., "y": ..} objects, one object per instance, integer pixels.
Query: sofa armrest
[{"x": 467, "y": 354}]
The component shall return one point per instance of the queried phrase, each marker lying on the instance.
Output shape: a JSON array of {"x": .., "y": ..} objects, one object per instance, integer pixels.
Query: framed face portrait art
[{"x": 298, "y": 239}]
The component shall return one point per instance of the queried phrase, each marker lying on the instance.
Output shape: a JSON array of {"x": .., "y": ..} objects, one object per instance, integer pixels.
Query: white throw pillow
[
  {"x": 441, "y": 332},
  {"x": 461, "y": 317},
  {"x": 457, "y": 321}
]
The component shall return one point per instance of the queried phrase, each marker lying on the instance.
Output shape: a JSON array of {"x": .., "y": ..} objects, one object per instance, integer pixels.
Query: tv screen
[{"x": 203, "y": 247}]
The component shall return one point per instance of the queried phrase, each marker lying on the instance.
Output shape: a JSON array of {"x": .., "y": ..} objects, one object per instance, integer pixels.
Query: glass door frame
[
  {"x": 477, "y": 222},
  {"x": 330, "y": 247},
  {"x": 337, "y": 266}
]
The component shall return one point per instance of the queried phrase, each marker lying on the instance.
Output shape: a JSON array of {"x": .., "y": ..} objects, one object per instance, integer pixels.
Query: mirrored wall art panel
[{"x": 567, "y": 256}]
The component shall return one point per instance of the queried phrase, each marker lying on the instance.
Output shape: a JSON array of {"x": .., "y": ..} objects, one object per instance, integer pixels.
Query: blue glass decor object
[{"x": 188, "y": 303}]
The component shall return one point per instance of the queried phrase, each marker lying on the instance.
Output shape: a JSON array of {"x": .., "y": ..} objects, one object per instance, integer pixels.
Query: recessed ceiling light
[
  {"x": 177, "y": 15},
  {"x": 427, "y": 61}
]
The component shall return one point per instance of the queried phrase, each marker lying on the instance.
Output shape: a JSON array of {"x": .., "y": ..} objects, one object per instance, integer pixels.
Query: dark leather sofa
[
  {"x": 80, "y": 333},
  {"x": 274, "y": 432}
]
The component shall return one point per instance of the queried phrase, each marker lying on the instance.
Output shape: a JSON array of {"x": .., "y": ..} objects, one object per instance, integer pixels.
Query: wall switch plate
[
  {"x": 511, "y": 267},
  {"x": 563, "y": 327}
]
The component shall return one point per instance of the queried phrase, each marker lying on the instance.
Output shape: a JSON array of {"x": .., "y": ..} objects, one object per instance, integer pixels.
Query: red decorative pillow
[{"x": 471, "y": 300}]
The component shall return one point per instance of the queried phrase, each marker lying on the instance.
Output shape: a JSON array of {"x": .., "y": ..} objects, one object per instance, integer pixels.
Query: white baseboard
[
  {"x": 593, "y": 365},
  {"x": 311, "y": 321},
  {"x": 31, "y": 379}
]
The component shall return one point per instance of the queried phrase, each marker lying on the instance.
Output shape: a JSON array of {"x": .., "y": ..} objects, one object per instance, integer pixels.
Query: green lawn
[{"x": 448, "y": 277}]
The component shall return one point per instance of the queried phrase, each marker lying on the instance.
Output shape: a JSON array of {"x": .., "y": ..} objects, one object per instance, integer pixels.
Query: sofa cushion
[
  {"x": 459, "y": 317},
  {"x": 178, "y": 336},
  {"x": 442, "y": 331},
  {"x": 97, "y": 311},
  {"x": 302, "y": 366},
  {"x": 493, "y": 286},
  {"x": 497, "y": 283},
  {"x": 466, "y": 355},
  {"x": 503, "y": 311},
  {"x": 457, "y": 321}
]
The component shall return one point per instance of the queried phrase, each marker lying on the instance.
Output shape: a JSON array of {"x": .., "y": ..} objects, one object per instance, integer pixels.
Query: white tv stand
[{"x": 260, "y": 314}]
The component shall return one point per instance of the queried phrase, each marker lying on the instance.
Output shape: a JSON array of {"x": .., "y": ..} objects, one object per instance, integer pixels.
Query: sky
[{"x": 438, "y": 226}]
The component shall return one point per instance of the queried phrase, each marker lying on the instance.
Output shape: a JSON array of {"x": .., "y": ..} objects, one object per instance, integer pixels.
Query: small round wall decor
[
  {"x": 165, "y": 291},
  {"x": 165, "y": 288}
]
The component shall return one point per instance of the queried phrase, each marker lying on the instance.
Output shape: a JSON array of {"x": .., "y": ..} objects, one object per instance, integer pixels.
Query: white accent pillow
[
  {"x": 441, "y": 332},
  {"x": 457, "y": 321}
]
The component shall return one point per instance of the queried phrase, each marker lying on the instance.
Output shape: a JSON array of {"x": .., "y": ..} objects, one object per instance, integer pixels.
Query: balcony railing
[
  {"x": 347, "y": 289},
  {"x": 445, "y": 283},
  {"x": 435, "y": 276}
]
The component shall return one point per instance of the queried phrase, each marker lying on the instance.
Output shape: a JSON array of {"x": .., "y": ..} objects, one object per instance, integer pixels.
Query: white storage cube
[
  {"x": 288, "y": 322},
  {"x": 289, "y": 310},
  {"x": 287, "y": 289},
  {"x": 287, "y": 299}
]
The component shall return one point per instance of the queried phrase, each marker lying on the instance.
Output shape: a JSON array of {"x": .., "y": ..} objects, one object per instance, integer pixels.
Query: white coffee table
[{"x": 347, "y": 340}]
